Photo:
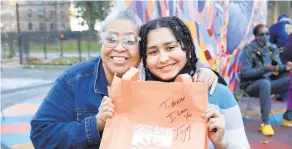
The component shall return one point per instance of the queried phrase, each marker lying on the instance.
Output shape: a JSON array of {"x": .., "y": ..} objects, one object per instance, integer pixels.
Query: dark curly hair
[{"x": 181, "y": 33}]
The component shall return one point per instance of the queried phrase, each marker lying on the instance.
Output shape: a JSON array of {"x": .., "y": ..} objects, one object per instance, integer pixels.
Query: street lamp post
[{"x": 19, "y": 36}]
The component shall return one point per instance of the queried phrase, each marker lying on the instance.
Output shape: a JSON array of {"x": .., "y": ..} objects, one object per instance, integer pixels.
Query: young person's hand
[
  {"x": 216, "y": 128},
  {"x": 289, "y": 66},
  {"x": 105, "y": 111},
  {"x": 208, "y": 76},
  {"x": 273, "y": 68}
]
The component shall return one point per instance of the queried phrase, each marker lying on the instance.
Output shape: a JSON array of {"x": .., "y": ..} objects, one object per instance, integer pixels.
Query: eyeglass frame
[
  {"x": 264, "y": 34},
  {"x": 104, "y": 39}
]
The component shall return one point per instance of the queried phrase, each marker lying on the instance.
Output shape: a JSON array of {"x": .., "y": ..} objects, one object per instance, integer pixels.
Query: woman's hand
[
  {"x": 105, "y": 111},
  {"x": 208, "y": 76},
  {"x": 289, "y": 66},
  {"x": 216, "y": 128}
]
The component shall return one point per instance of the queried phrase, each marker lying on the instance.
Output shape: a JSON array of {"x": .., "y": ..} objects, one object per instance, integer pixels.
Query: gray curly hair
[{"x": 120, "y": 14}]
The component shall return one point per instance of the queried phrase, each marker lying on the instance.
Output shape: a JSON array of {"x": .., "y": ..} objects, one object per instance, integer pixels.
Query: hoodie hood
[{"x": 284, "y": 18}]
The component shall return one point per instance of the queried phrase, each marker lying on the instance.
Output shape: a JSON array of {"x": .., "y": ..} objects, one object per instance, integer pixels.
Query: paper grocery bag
[{"x": 156, "y": 115}]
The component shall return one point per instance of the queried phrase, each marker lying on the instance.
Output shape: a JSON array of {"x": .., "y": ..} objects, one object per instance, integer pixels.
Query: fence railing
[{"x": 52, "y": 47}]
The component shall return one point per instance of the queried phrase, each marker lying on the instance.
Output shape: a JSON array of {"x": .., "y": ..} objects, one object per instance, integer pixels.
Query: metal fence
[
  {"x": 52, "y": 47},
  {"x": 8, "y": 44}
]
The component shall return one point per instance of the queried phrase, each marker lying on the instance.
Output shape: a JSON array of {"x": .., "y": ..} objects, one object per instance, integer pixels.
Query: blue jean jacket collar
[{"x": 100, "y": 84}]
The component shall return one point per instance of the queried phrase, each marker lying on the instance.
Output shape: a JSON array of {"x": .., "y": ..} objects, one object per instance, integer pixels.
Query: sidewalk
[
  {"x": 15, "y": 125},
  {"x": 17, "y": 77},
  {"x": 9, "y": 84},
  {"x": 16, "y": 128},
  {"x": 10, "y": 63},
  {"x": 15, "y": 117}
]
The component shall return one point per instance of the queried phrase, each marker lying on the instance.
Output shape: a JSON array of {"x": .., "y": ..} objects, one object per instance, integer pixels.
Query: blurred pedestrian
[
  {"x": 263, "y": 73},
  {"x": 281, "y": 30},
  {"x": 287, "y": 55}
]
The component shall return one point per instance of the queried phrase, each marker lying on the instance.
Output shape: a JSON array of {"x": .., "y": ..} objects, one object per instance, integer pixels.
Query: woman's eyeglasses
[{"x": 129, "y": 40}]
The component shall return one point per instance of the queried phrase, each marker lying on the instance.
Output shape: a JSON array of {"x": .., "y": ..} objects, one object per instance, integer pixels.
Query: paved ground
[
  {"x": 15, "y": 77},
  {"x": 18, "y": 84},
  {"x": 12, "y": 84},
  {"x": 15, "y": 125},
  {"x": 15, "y": 117},
  {"x": 283, "y": 135},
  {"x": 24, "y": 89}
]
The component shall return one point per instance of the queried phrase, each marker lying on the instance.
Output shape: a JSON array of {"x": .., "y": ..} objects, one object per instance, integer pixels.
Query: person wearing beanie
[
  {"x": 281, "y": 30},
  {"x": 263, "y": 73},
  {"x": 287, "y": 56}
]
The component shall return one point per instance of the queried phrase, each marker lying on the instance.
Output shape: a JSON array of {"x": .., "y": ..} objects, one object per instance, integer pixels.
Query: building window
[
  {"x": 61, "y": 3},
  {"x": 52, "y": 14},
  {"x": 29, "y": 13},
  {"x": 39, "y": 2},
  {"x": 62, "y": 14},
  {"x": 42, "y": 26},
  {"x": 30, "y": 26},
  {"x": 271, "y": 4},
  {"x": 51, "y": 3},
  {"x": 291, "y": 4},
  {"x": 63, "y": 27},
  {"x": 52, "y": 26},
  {"x": 41, "y": 12}
]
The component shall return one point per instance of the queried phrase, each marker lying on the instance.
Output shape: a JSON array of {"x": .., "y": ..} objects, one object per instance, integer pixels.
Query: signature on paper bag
[{"x": 184, "y": 131}]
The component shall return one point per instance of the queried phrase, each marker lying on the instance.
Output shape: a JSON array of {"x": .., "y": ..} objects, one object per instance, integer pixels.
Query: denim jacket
[
  {"x": 66, "y": 118},
  {"x": 255, "y": 60}
]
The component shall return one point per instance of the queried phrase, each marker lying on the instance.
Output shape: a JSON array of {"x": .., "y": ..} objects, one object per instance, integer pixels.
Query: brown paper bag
[{"x": 156, "y": 115}]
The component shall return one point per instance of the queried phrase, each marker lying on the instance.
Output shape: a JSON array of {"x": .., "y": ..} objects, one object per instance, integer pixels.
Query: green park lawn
[{"x": 68, "y": 46}]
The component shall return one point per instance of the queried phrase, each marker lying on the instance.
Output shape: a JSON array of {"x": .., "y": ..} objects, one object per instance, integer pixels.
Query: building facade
[
  {"x": 35, "y": 16},
  {"x": 276, "y": 8}
]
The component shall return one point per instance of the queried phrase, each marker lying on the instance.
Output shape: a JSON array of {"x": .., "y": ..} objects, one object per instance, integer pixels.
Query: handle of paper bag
[
  {"x": 131, "y": 75},
  {"x": 183, "y": 78}
]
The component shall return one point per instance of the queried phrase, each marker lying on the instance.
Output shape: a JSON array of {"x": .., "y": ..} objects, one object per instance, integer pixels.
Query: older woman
[{"x": 72, "y": 114}]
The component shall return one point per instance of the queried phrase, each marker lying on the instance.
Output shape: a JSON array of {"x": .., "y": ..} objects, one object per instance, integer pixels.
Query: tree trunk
[{"x": 90, "y": 22}]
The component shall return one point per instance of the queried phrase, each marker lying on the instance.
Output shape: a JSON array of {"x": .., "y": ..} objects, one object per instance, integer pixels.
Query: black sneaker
[
  {"x": 287, "y": 119},
  {"x": 280, "y": 99},
  {"x": 288, "y": 115}
]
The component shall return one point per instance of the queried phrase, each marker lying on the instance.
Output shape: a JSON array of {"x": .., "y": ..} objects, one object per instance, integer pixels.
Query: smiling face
[
  {"x": 165, "y": 57},
  {"x": 120, "y": 57}
]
